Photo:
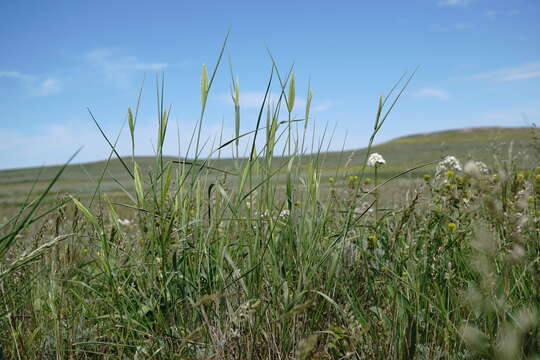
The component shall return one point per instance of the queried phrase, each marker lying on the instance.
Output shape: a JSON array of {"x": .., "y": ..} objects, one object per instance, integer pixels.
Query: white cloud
[
  {"x": 521, "y": 72},
  {"x": 432, "y": 93},
  {"x": 35, "y": 85},
  {"x": 462, "y": 26},
  {"x": 325, "y": 105},
  {"x": 118, "y": 67},
  {"x": 495, "y": 13},
  {"x": 48, "y": 86},
  {"x": 53, "y": 143},
  {"x": 14, "y": 75},
  {"x": 453, "y": 27},
  {"x": 454, "y": 2}
]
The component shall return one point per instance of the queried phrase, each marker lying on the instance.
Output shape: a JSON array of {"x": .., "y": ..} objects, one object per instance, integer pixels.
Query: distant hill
[{"x": 485, "y": 144}]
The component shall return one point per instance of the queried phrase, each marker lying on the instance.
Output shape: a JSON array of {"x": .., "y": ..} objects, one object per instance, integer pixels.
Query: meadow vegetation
[{"x": 281, "y": 254}]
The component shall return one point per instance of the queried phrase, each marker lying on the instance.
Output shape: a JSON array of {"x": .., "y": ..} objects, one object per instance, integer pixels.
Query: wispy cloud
[
  {"x": 14, "y": 75},
  {"x": 462, "y": 26},
  {"x": 36, "y": 85},
  {"x": 454, "y": 2},
  {"x": 496, "y": 13},
  {"x": 52, "y": 143},
  {"x": 521, "y": 72},
  {"x": 48, "y": 86},
  {"x": 458, "y": 27},
  {"x": 432, "y": 93},
  {"x": 118, "y": 67}
]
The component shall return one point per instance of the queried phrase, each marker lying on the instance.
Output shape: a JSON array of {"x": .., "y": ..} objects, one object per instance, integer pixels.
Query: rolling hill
[{"x": 485, "y": 144}]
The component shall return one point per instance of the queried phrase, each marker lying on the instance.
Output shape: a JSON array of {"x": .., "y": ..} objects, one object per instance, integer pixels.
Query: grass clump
[{"x": 195, "y": 261}]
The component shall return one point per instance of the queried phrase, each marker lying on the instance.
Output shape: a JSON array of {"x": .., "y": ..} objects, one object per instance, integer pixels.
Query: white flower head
[
  {"x": 476, "y": 168},
  {"x": 284, "y": 213},
  {"x": 124, "y": 222},
  {"x": 448, "y": 163},
  {"x": 375, "y": 159}
]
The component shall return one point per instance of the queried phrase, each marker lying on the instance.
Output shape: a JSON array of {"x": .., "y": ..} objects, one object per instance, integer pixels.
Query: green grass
[
  {"x": 401, "y": 154},
  {"x": 300, "y": 257}
]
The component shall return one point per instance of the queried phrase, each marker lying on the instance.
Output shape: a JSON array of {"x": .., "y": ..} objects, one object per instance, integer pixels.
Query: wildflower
[
  {"x": 331, "y": 180},
  {"x": 448, "y": 163},
  {"x": 372, "y": 238},
  {"x": 530, "y": 199},
  {"x": 450, "y": 174},
  {"x": 476, "y": 168},
  {"x": 367, "y": 181},
  {"x": 124, "y": 222},
  {"x": 451, "y": 226},
  {"x": 375, "y": 159},
  {"x": 284, "y": 213},
  {"x": 517, "y": 252},
  {"x": 538, "y": 178},
  {"x": 427, "y": 177}
]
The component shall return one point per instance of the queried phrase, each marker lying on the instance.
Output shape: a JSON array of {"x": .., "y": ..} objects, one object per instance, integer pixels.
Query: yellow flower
[
  {"x": 530, "y": 199},
  {"x": 449, "y": 173},
  {"x": 451, "y": 226},
  {"x": 331, "y": 180},
  {"x": 372, "y": 238},
  {"x": 538, "y": 177},
  {"x": 427, "y": 177},
  {"x": 367, "y": 181}
]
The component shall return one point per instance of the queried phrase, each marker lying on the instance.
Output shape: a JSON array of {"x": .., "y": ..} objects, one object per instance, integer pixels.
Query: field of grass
[
  {"x": 484, "y": 144},
  {"x": 265, "y": 257}
]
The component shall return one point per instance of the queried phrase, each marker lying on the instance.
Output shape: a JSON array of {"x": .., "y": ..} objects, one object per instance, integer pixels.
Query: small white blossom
[
  {"x": 448, "y": 163},
  {"x": 476, "y": 168},
  {"x": 124, "y": 222},
  {"x": 284, "y": 213},
  {"x": 375, "y": 159}
]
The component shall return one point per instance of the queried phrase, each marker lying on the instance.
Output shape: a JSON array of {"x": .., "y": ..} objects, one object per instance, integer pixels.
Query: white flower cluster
[
  {"x": 448, "y": 163},
  {"x": 284, "y": 213},
  {"x": 476, "y": 168},
  {"x": 375, "y": 159}
]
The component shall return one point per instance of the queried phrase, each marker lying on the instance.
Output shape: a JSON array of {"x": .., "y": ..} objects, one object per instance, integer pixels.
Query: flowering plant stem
[{"x": 376, "y": 194}]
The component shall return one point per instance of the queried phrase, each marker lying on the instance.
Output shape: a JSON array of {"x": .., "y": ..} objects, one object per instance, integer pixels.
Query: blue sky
[{"x": 479, "y": 66}]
